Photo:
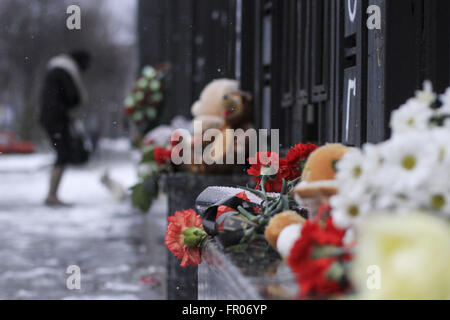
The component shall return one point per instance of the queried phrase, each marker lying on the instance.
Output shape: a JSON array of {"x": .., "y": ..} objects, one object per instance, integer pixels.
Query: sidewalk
[{"x": 104, "y": 238}]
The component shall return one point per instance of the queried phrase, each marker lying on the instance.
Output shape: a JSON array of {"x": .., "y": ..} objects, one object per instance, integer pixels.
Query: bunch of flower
[
  {"x": 319, "y": 258},
  {"x": 410, "y": 171},
  {"x": 142, "y": 104},
  {"x": 257, "y": 219},
  {"x": 155, "y": 160},
  {"x": 269, "y": 170}
]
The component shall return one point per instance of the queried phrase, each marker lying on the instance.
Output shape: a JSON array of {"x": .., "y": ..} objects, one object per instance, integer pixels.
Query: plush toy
[
  {"x": 208, "y": 109},
  {"x": 222, "y": 106},
  {"x": 319, "y": 172},
  {"x": 318, "y": 177},
  {"x": 278, "y": 223},
  {"x": 236, "y": 108}
]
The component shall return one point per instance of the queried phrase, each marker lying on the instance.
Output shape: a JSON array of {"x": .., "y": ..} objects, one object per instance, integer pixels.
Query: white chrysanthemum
[
  {"x": 373, "y": 161},
  {"x": 447, "y": 124},
  {"x": 349, "y": 209},
  {"x": 359, "y": 169},
  {"x": 435, "y": 195},
  {"x": 407, "y": 161},
  {"x": 412, "y": 116},
  {"x": 445, "y": 99},
  {"x": 426, "y": 95},
  {"x": 350, "y": 168},
  {"x": 407, "y": 200},
  {"x": 440, "y": 137}
]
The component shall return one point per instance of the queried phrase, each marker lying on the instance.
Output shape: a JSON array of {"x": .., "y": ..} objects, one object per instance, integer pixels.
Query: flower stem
[{"x": 246, "y": 214}]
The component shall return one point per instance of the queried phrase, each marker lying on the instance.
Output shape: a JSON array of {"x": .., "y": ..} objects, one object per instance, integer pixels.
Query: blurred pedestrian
[{"x": 63, "y": 90}]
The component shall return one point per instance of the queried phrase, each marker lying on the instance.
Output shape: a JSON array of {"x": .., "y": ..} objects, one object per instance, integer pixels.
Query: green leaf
[
  {"x": 144, "y": 193},
  {"x": 336, "y": 272},
  {"x": 140, "y": 198},
  {"x": 147, "y": 156}
]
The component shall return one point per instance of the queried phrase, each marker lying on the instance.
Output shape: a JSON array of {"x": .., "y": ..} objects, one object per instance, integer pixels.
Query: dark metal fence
[{"x": 319, "y": 74}]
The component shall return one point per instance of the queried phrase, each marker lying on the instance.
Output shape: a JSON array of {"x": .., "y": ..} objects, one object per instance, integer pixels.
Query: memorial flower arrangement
[
  {"x": 142, "y": 105},
  {"x": 273, "y": 174}
]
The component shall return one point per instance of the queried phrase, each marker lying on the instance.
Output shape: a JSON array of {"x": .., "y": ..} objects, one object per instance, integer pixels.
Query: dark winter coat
[{"x": 59, "y": 96}]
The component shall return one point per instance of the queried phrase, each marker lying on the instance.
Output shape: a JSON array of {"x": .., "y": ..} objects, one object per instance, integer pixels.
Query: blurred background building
[{"x": 31, "y": 32}]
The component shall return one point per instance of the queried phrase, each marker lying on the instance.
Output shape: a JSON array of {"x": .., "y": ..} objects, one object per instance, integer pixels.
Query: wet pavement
[{"x": 105, "y": 239}]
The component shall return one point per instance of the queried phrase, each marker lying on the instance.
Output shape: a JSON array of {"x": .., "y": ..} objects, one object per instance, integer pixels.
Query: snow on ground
[
  {"x": 102, "y": 237},
  {"x": 22, "y": 163}
]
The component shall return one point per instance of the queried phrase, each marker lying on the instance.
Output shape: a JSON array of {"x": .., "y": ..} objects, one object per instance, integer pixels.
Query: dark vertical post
[
  {"x": 354, "y": 86},
  {"x": 251, "y": 55},
  {"x": 151, "y": 37},
  {"x": 376, "y": 111},
  {"x": 214, "y": 40},
  {"x": 416, "y": 48}
]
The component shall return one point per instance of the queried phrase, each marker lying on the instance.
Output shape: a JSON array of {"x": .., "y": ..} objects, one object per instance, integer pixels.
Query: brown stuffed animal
[
  {"x": 237, "y": 110},
  {"x": 209, "y": 108},
  {"x": 278, "y": 223},
  {"x": 236, "y": 113}
]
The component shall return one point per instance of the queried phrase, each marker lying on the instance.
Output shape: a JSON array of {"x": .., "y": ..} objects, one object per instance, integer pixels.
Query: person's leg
[
  {"x": 60, "y": 144},
  {"x": 55, "y": 181}
]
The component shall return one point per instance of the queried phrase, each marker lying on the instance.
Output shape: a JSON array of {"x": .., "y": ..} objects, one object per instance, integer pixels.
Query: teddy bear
[
  {"x": 280, "y": 222},
  {"x": 208, "y": 109},
  {"x": 318, "y": 177},
  {"x": 222, "y": 106},
  {"x": 237, "y": 113}
]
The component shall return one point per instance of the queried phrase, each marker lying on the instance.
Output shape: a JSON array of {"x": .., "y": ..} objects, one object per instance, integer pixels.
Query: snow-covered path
[{"x": 102, "y": 237}]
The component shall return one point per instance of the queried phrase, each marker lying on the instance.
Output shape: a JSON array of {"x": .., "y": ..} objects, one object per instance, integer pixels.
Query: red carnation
[
  {"x": 265, "y": 163},
  {"x": 311, "y": 259},
  {"x": 161, "y": 155},
  {"x": 270, "y": 166},
  {"x": 184, "y": 236},
  {"x": 300, "y": 152},
  {"x": 288, "y": 171},
  {"x": 298, "y": 155},
  {"x": 224, "y": 209}
]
